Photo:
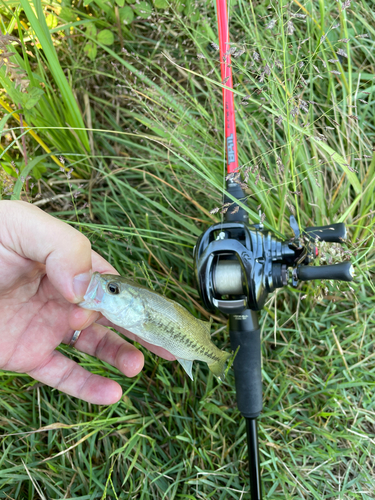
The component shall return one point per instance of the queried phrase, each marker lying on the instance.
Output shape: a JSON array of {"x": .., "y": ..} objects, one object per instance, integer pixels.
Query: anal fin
[{"x": 187, "y": 365}]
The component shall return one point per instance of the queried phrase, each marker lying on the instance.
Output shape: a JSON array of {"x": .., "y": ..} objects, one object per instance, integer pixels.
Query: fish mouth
[{"x": 94, "y": 293}]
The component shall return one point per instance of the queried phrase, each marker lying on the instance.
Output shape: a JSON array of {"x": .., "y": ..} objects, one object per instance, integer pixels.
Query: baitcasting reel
[{"x": 237, "y": 265}]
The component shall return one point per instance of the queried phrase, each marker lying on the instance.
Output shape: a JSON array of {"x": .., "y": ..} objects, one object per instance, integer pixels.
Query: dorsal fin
[{"x": 207, "y": 326}]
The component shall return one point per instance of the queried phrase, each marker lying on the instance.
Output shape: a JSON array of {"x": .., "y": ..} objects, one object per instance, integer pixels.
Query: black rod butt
[{"x": 254, "y": 466}]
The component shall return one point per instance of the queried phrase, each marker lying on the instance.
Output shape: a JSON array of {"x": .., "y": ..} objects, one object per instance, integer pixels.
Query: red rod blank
[{"x": 226, "y": 78}]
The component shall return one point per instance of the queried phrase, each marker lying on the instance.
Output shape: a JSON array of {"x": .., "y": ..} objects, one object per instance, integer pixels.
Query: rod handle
[
  {"x": 343, "y": 271},
  {"x": 247, "y": 363},
  {"x": 334, "y": 233}
]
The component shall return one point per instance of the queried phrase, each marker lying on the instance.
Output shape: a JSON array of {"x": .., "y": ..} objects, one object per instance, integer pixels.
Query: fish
[{"x": 156, "y": 319}]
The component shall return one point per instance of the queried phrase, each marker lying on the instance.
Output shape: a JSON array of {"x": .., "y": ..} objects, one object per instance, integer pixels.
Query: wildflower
[
  {"x": 345, "y": 5},
  {"x": 271, "y": 24},
  {"x": 342, "y": 53},
  {"x": 333, "y": 60},
  {"x": 334, "y": 72},
  {"x": 239, "y": 52},
  {"x": 278, "y": 120},
  {"x": 291, "y": 208},
  {"x": 303, "y": 105},
  {"x": 290, "y": 28},
  {"x": 256, "y": 56},
  {"x": 216, "y": 47},
  {"x": 344, "y": 40},
  {"x": 294, "y": 112},
  {"x": 323, "y": 38},
  {"x": 225, "y": 208},
  {"x": 279, "y": 163}
]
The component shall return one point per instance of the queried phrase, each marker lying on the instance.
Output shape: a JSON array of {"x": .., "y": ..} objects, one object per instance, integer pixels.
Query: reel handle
[
  {"x": 334, "y": 233},
  {"x": 342, "y": 271}
]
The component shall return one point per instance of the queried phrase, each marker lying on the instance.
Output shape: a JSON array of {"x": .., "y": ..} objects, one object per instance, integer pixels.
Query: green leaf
[
  {"x": 91, "y": 50},
  {"x": 31, "y": 98},
  {"x": 120, "y": 3},
  {"x": 39, "y": 170},
  {"x": 40, "y": 28},
  {"x": 87, "y": 2},
  {"x": 212, "y": 408},
  {"x": 8, "y": 170},
  {"x": 3, "y": 121},
  {"x": 91, "y": 30},
  {"x": 126, "y": 15},
  {"x": 179, "y": 5},
  {"x": 194, "y": 16},
  {"x": 161, "y": 4},
  {"x": 192, "y": 11},
  {"x": 51, "y": 21},
  {"x": 35, "y": 163},
  {"x": 68, "y": 14},
  {"x": 106, "y": 37},
  {"x": 143, "y": 9}
]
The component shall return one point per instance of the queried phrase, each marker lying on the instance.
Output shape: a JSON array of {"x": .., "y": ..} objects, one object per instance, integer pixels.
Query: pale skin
[{"x": 39, "y": 257}]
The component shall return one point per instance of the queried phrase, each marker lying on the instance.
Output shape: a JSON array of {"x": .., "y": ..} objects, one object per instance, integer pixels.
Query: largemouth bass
[{"x": 155, "y": 319}]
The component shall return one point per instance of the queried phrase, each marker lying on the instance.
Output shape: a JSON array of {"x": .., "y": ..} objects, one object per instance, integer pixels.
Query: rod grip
[
  {"x": 342, "y": 271},
  {"x": 334, "y": 233},
  {"x": 245, "y": 334}
]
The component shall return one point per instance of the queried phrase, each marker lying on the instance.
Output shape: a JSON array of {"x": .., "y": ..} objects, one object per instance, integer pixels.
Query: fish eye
[{"x": 113, "y": 288}]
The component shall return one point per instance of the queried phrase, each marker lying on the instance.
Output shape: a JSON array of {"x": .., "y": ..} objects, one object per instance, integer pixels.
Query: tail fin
[{"x": 218, "y": 367}]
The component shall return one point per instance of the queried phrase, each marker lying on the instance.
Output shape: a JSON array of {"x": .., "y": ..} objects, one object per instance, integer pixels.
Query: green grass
[{"x": 147, "y": 149}]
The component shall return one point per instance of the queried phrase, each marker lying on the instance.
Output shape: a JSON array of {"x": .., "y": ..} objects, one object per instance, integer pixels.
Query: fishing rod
[{"x": 237, "y": 265}]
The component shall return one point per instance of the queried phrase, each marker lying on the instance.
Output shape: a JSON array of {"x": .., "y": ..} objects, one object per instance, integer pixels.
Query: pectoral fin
[{"x": 187, "y": 365}]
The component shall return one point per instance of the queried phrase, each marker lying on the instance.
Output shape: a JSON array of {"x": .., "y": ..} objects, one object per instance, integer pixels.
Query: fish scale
[{"x": 155, "y": 319}]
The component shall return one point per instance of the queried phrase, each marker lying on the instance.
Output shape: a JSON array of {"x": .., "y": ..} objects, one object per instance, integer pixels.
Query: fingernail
[{"x": 80, "y": 284}]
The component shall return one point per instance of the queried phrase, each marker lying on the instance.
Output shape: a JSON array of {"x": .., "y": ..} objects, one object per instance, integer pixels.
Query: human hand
[{"x": 46, "y": 267}]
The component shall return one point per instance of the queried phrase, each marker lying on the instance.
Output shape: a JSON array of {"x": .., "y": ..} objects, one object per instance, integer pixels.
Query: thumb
[{"x": 35, "y": 235}]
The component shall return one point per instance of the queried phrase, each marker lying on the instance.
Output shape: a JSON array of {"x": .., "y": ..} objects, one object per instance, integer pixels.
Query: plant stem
[{"x": 24, "y": 152}]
